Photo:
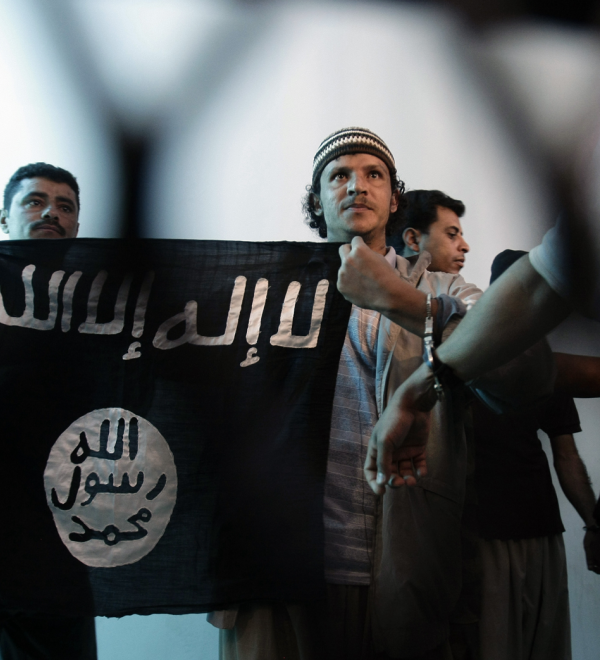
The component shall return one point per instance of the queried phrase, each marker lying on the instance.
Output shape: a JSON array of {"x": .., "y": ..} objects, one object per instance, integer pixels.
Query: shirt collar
[{"x": 390, "y": 256}]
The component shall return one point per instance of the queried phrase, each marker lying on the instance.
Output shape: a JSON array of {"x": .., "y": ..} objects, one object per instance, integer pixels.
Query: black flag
[{"x": 165, "y": 411}]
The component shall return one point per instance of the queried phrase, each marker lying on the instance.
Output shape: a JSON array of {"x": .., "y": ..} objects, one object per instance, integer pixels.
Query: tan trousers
[
  {"x": 525, "y": 600},
  {"x": 335, "y": 629}
]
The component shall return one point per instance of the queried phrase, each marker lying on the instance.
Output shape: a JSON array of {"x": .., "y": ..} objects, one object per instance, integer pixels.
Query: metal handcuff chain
[{"x": 429, "y": 356}]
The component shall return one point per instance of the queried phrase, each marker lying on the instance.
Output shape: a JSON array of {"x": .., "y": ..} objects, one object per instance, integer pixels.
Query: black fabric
[
  {"x": 249, "y": 444},
  {"x": 25, "y": 637},
  {"x": 516, "y": 498}
]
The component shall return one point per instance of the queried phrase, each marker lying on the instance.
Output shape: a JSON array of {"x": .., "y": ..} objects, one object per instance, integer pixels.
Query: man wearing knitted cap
[{"x": 390, "y": 587}]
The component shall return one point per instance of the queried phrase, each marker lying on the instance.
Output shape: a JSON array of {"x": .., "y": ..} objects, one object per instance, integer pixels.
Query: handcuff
[{"x": 439, "y": 370}]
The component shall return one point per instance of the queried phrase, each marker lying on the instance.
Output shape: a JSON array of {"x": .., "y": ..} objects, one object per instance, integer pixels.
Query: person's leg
[
  {"x": 546, "y": 621},
  {"x": 503, "y": 566},
  {"x": 336, "y": 628},
  {"x": 344, "y": 622},
  {"x": 525, "y": 601},
  {"x": 346, "y": 627},
  {"x": 271, "y": 631},
  {"x": 261, "y": 632}
]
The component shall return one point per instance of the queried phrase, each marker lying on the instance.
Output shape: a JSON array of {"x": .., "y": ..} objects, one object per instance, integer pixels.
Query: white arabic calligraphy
[{"x": 283, "y": 337}]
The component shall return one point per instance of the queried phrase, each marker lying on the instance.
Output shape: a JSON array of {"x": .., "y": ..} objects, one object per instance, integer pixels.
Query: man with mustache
[
  {"x": 414, "y": 568},
  {"x": 42, "y": 201}
]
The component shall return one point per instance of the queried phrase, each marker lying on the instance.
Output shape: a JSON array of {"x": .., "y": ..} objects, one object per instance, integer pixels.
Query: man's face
[
  {"x": 356, "y": 198},
  {"x": 41, "y": 208},
  {"x": 445, "y": 242}
]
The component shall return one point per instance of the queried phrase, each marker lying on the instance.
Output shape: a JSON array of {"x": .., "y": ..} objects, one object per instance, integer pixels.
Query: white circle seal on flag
[{"x": 111, "y": 485}]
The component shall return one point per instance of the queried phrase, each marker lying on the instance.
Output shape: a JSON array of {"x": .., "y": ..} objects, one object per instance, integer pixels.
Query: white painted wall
[
  {"x": 581, "y": 336},
  {"x": 45, "y": 117},
  {"x": 236, "y": 153}
]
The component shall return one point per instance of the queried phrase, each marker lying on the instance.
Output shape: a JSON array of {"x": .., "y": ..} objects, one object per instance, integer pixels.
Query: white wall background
[
  {"x": 238, "y": 153},
  {"x": 239, "y": 99},
  {"x": 45, "y": 117}
]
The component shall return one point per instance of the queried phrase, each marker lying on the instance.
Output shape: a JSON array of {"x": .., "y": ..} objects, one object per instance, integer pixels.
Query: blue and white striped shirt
[{"x": 349, "y": 506}]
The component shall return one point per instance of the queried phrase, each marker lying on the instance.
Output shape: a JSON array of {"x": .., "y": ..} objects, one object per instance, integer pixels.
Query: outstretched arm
[{"x": 514, "y": 313}]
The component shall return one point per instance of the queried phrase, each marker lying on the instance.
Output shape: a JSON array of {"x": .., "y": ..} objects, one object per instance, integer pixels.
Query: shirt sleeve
[
  {"x": 550, "y": 259},
  {"x": 465, "y": 291},
  {"x": 448, "y": 309},
  {"x": 455, "y": 298},
  {"x": 559, "y": 416}
]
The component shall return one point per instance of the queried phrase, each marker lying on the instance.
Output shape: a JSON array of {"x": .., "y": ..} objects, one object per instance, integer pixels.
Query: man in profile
[
  {"x": 42, "y": 201},
  {"x": 518, "y": 520},
  {"x": 433, "y": 224}
]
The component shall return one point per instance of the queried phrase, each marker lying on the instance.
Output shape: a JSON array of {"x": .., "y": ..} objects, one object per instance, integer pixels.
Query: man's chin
[
  {"x": 45, "y": 233},
  {"x": 452, "y": 269},
  {"x": 362, "y": 225}
]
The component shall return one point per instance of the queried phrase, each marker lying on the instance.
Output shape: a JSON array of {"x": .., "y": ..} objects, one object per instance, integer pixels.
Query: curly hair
[{"x": 317, "y": 222}]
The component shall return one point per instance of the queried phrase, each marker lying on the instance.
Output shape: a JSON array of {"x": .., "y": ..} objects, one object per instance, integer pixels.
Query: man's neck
[{"x": 376, "y": 243}]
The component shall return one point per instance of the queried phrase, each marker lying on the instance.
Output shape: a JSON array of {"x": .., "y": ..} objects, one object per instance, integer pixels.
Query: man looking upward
[
  {"x": 354, "y": 194},
  {"x": 42, "y": 201},
  {"x": 412, "y": 564}
]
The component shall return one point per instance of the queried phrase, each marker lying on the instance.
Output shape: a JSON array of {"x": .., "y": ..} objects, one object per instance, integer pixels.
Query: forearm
[
  {"x": 520, "y": 382},
  {"x": 367, "y": 280},
  {"x": 575, "y": 482},
  {"x": 577, "y": 375},
  {"x": 514, "y": 313},
  {"x": 407, "y": 307},
  {"x": 578, "y": 492}
]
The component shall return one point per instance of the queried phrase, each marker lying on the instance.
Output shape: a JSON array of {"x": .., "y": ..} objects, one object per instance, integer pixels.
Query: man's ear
[
  {"x": 316, "y": 204},
  {"x": 412, "y": 238},
  {"x": 394, "y": 201},
  {"x": 3, "y": 223}
]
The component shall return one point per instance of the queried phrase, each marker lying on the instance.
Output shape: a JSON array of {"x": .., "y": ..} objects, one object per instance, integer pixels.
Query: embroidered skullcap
[{"x": 353, "y": 140}]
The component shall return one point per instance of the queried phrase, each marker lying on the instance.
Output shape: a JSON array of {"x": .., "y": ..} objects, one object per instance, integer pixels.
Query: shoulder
[
  {"x": 413, "y": 268},
  {"x": 451, "y": 285}
]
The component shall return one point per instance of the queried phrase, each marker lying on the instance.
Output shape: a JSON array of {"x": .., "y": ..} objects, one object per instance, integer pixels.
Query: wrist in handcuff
[{"x": 442, "y": 373}]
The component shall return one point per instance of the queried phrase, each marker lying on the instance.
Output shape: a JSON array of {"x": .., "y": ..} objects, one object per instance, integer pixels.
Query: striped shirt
[{"x": 349, "y": 505}]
